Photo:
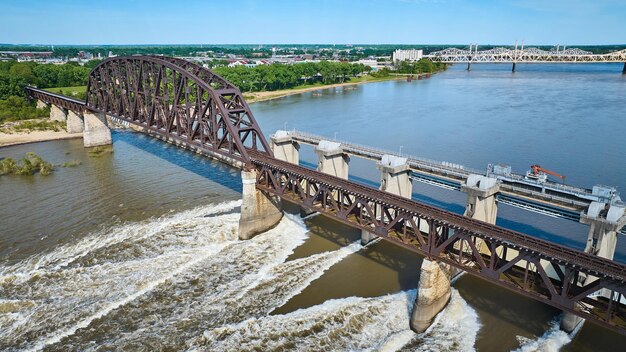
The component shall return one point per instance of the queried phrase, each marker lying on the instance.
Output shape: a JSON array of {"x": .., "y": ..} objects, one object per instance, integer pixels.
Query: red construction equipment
[{"x": 538, "y": 173}]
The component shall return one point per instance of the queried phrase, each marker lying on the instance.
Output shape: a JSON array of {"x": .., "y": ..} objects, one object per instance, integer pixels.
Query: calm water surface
[{"x": 137, "y": 249}]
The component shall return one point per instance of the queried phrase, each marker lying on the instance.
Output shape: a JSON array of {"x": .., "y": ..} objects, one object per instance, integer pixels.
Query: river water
[{"x": 137, "y": 250}]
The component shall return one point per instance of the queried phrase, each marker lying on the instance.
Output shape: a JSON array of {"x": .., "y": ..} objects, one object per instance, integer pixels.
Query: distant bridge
[
  {"x": 524, "y": 55},
  {"x": 190, "y": 106}
]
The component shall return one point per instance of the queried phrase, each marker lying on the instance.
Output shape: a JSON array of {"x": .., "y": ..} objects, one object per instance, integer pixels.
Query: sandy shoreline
[
  {"x": 35, "y": 136},
  {"x": 254, "y": 97}
]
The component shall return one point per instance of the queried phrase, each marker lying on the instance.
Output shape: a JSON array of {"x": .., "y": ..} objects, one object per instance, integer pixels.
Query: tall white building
[{"x": 407, "y": 55}]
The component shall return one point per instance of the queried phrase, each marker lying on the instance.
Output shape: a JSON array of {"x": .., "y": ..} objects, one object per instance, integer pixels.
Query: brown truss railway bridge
[{"x": 188, "y": 105}]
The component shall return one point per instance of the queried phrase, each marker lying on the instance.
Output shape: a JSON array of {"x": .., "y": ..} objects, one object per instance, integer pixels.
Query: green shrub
[{"x": 29, "y": 165}]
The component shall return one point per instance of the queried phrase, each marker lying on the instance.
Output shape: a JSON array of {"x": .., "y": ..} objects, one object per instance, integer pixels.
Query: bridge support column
[
  {"x": 285, "y": 148},
  {"x": 41, "y": 104},
  {"x": 433, "y": 294},
  {"x": 331, "y": 159},
  {"x": 604, "y": 222},
  {"x": 57, "y": 113},
  {"x": 394, "y": 179},
  {"x": 513, "y": 69},
  {"x": 96, "y": 130},
  {"x": 469, "y": 66},
  {"x": 74, "y": 122},
  {"x": 259, "y": 211},
  {"x": 481, "y": 198},
  {"x": 624, "y": 69}
]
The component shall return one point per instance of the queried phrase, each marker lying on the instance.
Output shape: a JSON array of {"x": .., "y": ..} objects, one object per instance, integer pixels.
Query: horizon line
[{"x": 282, "y": 44}]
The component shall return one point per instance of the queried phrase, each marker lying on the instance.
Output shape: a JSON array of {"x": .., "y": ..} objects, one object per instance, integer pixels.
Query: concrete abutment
[{"x": 259, "y": 211}]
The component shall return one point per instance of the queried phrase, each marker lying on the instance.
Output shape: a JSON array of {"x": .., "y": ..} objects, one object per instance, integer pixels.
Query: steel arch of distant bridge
[
  {"x": 183, "y": 102},
  {"x": 178, "y": 100},
  {"x": 525, "y": 55}
]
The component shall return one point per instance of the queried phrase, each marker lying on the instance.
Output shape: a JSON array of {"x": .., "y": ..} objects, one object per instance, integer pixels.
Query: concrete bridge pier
[
  {"x": 624, "y": 69},
  {"x": 604, "y": 222},
  {"x": 96, "y": 131},
  {"x": 481, "y": 198},
  {"x": 259, "y": 211},
  {"x": 41, "y": 104},
  {"x": 57, "y": 113},
  {"x": 469, "y": 66},
  {"x": 433, "y": 291},
  {"x": 331, "y": 159},
  {"x": 395, "y": 178},
  {"x": 433, "y": 294},
  {"x": 74, "y": 122},
  {"x": 513, "y": 69},
  {"x": 284, "y": 147}
]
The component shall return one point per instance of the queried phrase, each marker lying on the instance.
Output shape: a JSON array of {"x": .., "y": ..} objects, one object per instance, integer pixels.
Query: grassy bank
[{"x": 77, "y": 92}]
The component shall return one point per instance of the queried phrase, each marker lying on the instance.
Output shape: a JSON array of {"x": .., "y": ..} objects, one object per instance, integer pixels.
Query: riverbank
[
  {"x": 7, "y": 139},
  {"x": 33, "y": 130},
  {"x": 253, "y": 97}
]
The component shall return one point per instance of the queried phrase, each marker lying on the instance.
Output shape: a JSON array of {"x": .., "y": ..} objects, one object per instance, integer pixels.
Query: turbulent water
[{"x": 184, "y": 281}]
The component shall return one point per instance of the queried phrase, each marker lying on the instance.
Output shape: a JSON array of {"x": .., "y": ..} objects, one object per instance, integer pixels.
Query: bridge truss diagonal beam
[
  {"x": 506, "y": 258},
  {"x": 177, "y": 99}
]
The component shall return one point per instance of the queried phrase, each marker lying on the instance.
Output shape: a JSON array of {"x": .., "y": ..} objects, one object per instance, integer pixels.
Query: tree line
[
  {"x": 14, "y": 76},
  {"x": 421, "y": 66},
  {"x": 280, "y": 76}
]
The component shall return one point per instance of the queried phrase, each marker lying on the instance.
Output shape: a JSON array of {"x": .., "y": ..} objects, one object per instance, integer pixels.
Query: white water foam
[
  {"x": 184, "y": 281},
  {"x": 355, "y": 323},
  {"x": 232, "y": 295},
  {"x": 73, "y": 285},
  {"x": 551, "y": 341},
  {"x": 65, "y": 255}
]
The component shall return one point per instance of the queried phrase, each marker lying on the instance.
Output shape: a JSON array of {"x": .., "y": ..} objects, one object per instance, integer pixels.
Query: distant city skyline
[{"x": 485, "y": 22}]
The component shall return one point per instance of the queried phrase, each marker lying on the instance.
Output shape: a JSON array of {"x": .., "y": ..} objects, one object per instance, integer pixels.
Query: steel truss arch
[{"x": 179, "y": 100}]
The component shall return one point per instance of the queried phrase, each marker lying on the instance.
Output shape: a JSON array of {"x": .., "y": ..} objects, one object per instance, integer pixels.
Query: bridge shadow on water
[{"x": 196, "y": 163}]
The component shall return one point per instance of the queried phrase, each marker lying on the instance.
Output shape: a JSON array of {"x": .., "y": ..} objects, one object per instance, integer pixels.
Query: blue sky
[{"x": 324, "y": 21}]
